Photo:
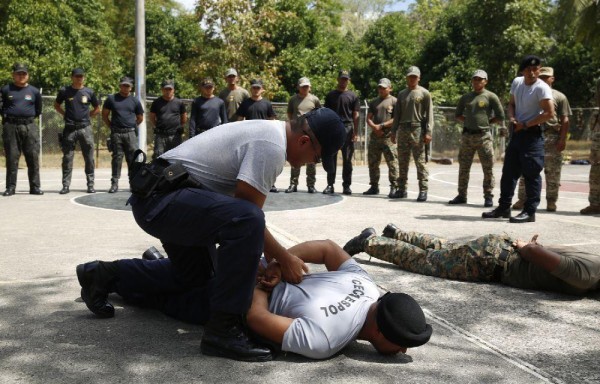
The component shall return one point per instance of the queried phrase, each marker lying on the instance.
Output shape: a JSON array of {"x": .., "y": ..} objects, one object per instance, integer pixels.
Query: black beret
[
  {"x": 402, "y": 321},
  {"x": 529, "y": 60},
  {"x": 329, "y": 131}
]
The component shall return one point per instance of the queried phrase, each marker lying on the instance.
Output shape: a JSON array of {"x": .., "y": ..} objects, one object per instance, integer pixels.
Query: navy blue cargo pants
[{"x": 190, "y": 223}]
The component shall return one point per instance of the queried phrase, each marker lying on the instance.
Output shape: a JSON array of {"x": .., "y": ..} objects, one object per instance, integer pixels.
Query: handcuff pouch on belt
[{"x": 157, "y": 176}]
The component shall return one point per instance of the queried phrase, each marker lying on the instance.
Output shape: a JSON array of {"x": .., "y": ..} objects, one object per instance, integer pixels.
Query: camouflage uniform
[
  {"x": 429, "y": 255},
  {"x": 382, "y": 110},
  {"x": 413, "y": 113},
  {"x": 478, "y": 109},
  {"x": 553, "y": 158},
  {"x": 594, "y": 196}
]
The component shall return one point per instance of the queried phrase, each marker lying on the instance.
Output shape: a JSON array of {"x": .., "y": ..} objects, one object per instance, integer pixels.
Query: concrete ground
[{"x": 483, "y": 333}]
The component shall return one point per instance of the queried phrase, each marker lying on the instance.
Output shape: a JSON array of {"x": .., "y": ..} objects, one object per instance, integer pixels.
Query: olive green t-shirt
[
  {"x": 478, "y": 109},
  {"x": 577, "y": 273},
  {"x": 382, "y": 109},
  {"x": 298, "y": 106},
  {"x": 414, "y": 106},
  {"x": 561, "y": 108},
  {"x": 232, "y": 100}
]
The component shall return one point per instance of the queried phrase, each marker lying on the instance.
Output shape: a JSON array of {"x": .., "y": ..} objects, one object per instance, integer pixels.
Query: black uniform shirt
[
  {"x": 123, "y": 110},
  {"x": 77, "y": 103},
  {"x": 21, "y": 102},
  {"x": 256, "y": 109},
  {"x": 207, "y": 114},
  {"x": 168, "y": 114},
  {"x": 344, "y": 103}
]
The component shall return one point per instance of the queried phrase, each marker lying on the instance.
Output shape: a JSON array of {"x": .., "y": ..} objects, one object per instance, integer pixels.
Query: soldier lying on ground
[
  {"x": 490, "y": 258},
  {"x": 315, "y": 318}
]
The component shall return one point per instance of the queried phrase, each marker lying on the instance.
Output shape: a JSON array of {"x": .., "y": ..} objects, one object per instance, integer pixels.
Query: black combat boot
[
  {"x": 224, "y": 336},
  {"x": 97, "y": 280},
  {"x": 390, "y": 231},
  {"x": 357, "y": 243},
  {"x": 374, "y": 190}
]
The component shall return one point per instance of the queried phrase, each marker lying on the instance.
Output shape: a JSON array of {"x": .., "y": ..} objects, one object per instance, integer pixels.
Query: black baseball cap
[
  {"x": 207, "y": 82},
  {"x": 20, "y": 67},
  {"x": 329, "y": 130},
  {"x": 256, "y": 83},
  {"x": 401, "y": 320},
  {"x": 344, "y": 73},
  {"x": 77, "y": 72},
  {"x": 529, "y": 60},
  {"x": 126, "y": 81},
  {"x": 168, "y": 84}
]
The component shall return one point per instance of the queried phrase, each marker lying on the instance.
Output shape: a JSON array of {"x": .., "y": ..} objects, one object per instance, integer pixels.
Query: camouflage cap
[
  {"x": 20, "y": 67},
  {"x": 546, "y": 71},
  {"x": 413, "y": 71},
  {"x": 385, "y": 83},
  {"x": 480, "y": 73}
]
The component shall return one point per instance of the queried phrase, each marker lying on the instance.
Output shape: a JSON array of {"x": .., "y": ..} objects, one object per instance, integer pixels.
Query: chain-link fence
[{"x": 445, "y": 143}]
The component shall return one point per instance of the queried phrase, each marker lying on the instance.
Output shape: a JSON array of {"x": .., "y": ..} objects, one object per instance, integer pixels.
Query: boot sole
[{"x": 212, "y": 350}]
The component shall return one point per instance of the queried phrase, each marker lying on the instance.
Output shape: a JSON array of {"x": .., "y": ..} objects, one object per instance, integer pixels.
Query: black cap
[
  {"x": 207, "y": 81},
  {"x": 329, "y": 131},
  {"x": 402, "y": 321},
  {"x": 529, "y": 60},
  {"x": 344, "y": 73},
  {"x": 20, "y": 67},
  {"x": 256, "y": 83},
  {"x": 126, "y": 81},
  {"x": 77, "y": 72},
  {"x": 168, "y": 84}
]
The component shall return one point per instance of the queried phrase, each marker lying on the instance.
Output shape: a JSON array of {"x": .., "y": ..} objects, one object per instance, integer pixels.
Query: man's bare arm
[
  {"x": 321, "y": 252},
  {"x": 105, "y": 113},
  {"x": 538, "y": 255},
  {"x": 266, "y": 324}
]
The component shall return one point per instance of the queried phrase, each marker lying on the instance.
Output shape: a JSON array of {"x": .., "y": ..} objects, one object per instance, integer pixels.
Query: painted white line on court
[
  {"x": 522, "y": 365},
  {"x": 506, "y": 356}
]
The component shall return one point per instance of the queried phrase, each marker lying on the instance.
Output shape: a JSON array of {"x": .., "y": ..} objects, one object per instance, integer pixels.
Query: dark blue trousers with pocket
[
  {"x": 190, "y": 223},
  {"x": 524, "y": 156}
]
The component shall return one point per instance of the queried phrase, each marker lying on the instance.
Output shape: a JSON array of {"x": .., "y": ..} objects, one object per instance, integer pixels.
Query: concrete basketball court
[{"x": 483, "y": 333}]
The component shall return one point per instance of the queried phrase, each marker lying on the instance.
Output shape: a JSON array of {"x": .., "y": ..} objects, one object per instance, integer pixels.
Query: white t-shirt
[
  {"x": 253, "y": 151},
  {"x": 328, "y": 308},
  {"x": 528, "y": 97}
]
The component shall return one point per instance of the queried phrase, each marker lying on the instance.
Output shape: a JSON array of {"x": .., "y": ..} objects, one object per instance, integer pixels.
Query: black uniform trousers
[
  {"x": 524, "y": 156},
  {"x": 164, "y": 142},
  {"x": 21, "y": 138},
  {"x": 347, "y": 155},
  {"x": 85, "y": 137},
  {"x": 155, "y": 284},
  {"x": 190, "y": 222},
  {"x": 123, "y": 144}
]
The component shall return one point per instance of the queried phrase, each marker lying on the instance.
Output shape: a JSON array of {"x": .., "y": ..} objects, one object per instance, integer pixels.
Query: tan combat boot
[
  {"x": 590, "y": 210},
  {"x": 551, "y": 206},
  {"x": 519, "y": 205}
]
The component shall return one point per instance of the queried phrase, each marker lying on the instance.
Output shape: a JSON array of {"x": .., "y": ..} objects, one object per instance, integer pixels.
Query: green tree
[{"x": 53, "y": 37}]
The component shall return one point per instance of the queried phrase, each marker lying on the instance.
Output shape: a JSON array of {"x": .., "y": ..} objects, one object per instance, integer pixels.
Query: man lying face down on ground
[
  {"x": 315, "y": 318},
  {"x": 490, "y": 258}
]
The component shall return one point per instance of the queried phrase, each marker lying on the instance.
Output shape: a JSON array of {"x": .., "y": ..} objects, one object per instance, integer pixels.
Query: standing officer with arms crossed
[
  {"x": 347, "y": 106},
  {"x": 21, "y": 104},
  {"x": 78, "y": 127},
  {"x": 530, "y": 106},
  {"x": 411, "y": 131},
  {"x": 168, "y": 115},
  {"x": 380, "y": 118},
  {"x": 298, "y": 105},
  {"x": 477, "y": 110},
  {"x": 126, "y": 112},
  {"x": 555, "y": 141}
]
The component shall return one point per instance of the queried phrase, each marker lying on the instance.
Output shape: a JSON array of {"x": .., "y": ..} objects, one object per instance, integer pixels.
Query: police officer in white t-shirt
[
  {"x": 230, "y": 170},
  {"x": 529, "y": 107}
]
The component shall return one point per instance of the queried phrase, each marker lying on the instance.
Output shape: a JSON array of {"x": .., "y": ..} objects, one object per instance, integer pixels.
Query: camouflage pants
[
  {"x": 382, "y": 146},
  {"x": 594, "y": 197},
  {"x": 553, "y": 160},
  {"x": 311, "y": 175},
  {"x": 429, "y": 255},
  {"x": 482, "y": 144},
  {"x": 410, "y": 141}
]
